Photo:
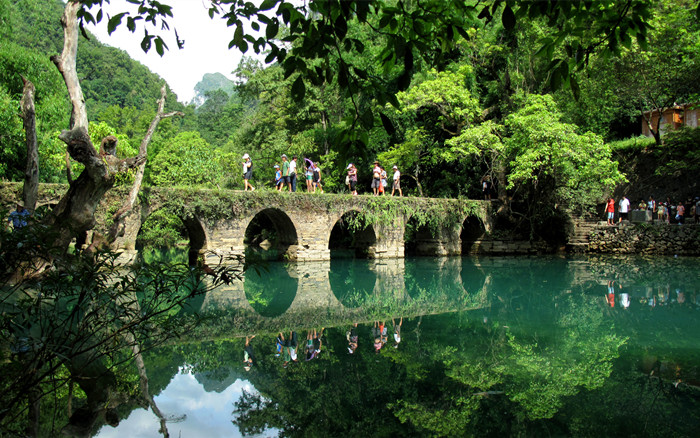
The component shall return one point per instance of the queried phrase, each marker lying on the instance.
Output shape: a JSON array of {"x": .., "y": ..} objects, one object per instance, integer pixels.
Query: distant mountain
[
  {"x": 108, "y": 75},
  {"x": 211, "y": 82}
]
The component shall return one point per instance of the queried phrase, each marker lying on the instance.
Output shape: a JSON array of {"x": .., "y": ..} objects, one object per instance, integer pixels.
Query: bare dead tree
[
  {"x": 31, "y": 174},
  {"x": 128, "y": 206},
  {"x": 74, "y": 214}
]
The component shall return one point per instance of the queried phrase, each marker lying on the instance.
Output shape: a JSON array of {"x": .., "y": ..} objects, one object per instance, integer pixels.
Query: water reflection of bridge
[
  {"x": 273, "y": 289},
  {"x": 346, "y": 284}
]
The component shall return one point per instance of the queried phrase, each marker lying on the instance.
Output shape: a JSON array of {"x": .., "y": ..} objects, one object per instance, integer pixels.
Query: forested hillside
[{"x": 503, "y": 101}]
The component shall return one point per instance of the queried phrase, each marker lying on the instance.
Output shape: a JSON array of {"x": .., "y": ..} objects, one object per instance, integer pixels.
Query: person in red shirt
[{"x": 610, "y": 210}]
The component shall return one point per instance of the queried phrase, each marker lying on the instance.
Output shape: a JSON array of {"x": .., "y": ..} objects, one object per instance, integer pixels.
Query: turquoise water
[{"x": 502, "y": 346}]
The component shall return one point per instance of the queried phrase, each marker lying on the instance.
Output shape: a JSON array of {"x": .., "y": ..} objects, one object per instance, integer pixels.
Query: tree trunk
[
  {"x": 415, "y": 177},
  {"x": 76, "y": 210},
  {"x": 127, "y": 207},
  {"x": 31, "y": 174},
  {"x": 145, "y": 392},
  {"x": 654, "y": 131},
  {"x": 67, "y": 66}
]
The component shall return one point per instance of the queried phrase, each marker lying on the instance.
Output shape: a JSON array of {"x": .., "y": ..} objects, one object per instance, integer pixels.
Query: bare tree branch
[
  {"x": 128, "y": 205},
  {"x": 31, "y": 174}
]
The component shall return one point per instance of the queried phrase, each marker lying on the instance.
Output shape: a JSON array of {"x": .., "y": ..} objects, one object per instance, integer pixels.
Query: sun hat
[
  {"x": 349, "y": 165},
  {"x": 284, "y": 155},
  {"x": 276, "y": 166},
  {"x": 246, "y": 156},
  {"x": 394, "y": 167}
]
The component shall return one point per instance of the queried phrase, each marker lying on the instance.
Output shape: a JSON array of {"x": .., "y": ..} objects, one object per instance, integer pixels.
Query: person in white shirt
[
  {"x": 624, "y": 208},
  {"x": 293, "y": 174},
  {"x": 397, "y": 182},
  {"x": 247, "y": 172}
]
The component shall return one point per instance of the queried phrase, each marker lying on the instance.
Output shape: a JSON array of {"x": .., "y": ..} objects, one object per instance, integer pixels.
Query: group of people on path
[
  {"x": 663, "y": 211},
  {"x": 286, "y": 175},
  {"x": 379, "y": 180}
]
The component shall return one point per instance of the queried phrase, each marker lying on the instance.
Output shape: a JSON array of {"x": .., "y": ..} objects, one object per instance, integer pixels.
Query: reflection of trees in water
[{"x": 466, "y": 378}]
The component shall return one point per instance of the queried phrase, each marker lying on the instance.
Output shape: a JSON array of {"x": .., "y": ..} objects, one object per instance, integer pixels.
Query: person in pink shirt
[{"x": 680, "y": 212}]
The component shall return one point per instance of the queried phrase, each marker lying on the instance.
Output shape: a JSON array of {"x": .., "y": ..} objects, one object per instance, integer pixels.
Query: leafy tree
[
  {"x": 552, "y": 161},
  {"x": 661, "y": 71},
  {"x": 186, "y": 160}
]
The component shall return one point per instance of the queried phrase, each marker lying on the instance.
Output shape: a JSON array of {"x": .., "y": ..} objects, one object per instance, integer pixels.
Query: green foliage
[
  {"x": 162, "y": 230},
  {"x": 557, "y": 162},
  {"x": 680, "y": 152},
  {"x": 11, "y": 137},
  {"x": 85, "y": 313},
  {"x": 632, "y": 144},
  {"x": 186, "y": 160}
]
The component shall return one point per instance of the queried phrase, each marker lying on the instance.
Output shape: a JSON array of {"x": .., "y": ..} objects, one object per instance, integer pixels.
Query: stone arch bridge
[
  {"x": 309, "y": 227},
  {"x": 295, "y": 226}
]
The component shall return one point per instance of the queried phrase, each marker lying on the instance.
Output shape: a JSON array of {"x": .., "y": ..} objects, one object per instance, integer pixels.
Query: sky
[
  {"x": 206, "y": 44},
  {"x": 202, "y": 413}
]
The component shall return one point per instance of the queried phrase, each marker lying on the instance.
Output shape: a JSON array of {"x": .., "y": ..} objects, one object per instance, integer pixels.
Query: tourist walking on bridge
[
  {"x": 285, "y": 173},
  {"x": 396, "y": 185},
  {"x": 293, "y": 174},
  {"x": 352, "y": 178},
  {"x": 247, "y": 173},
  {"x": 376, "y": 178}
]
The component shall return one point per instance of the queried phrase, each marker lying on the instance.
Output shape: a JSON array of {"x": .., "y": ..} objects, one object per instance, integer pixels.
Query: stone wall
[{"x": 646, "y": 239}]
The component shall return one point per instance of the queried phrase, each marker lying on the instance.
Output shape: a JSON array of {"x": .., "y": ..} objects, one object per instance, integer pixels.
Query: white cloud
[{"x": 208, "y": 414}]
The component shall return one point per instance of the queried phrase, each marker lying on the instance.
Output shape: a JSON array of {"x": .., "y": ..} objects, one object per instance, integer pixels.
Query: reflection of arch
[
  {"x": 473, "y": 278},
  {"x": 433, "y": 276},
  {"x": 170, "y": 229},
  {"x": 472, "y": 230},
  {"x": 349, "y": 238},
  {"x": 270, "y": 289},
  {"x": 271, "y": 234},
  {"x": 351, "y": 281},
  {"x": 419, "y": 239}
]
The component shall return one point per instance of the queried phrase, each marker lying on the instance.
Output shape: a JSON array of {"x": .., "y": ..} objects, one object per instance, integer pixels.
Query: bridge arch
[
  {"x": 272, "y": 234},
  {"x": 190, "y": 228},
  {"x": 349, "y": 238},
  {"x": 420, "y": 239},
  {"x": 472, "y": 230}
]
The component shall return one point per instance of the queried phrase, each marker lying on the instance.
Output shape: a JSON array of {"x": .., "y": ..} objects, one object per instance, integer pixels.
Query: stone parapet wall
[
  {"x": 645, "y": 239},
  {"x": 488, "y": 246}
]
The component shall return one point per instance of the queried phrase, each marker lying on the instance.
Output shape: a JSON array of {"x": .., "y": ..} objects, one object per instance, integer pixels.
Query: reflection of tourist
[
  {"x": 377, "y": 336},
  {"x": 625, "y": 300},
  {"x": 397, "y": 332},
  {"x": 313, "y": 344},
  {"x": 290, "y": 347},
  {"x": 352, "y": 338},
  {"x": 279, "y": 345},
  {"x": 610, "y": 297},
  {"x": 248, "y": 355}
]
